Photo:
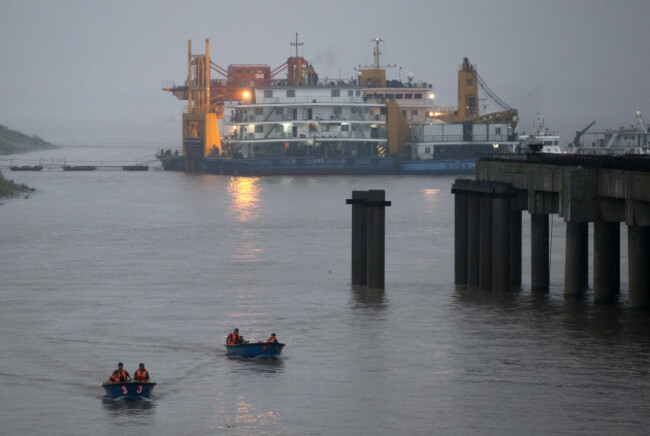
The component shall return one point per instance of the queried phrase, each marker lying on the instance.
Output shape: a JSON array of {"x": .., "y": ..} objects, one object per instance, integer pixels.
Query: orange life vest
[
  {"x": 141, "y": 375},
  {"x": 272, "y": 339},
  {"x": 233, "y": 338},
  {"x": 118, "y": 376}
]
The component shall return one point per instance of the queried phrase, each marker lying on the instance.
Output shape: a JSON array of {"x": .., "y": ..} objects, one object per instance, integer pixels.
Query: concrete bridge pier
[
  {"x": 359, "y": 237},
  {"x": 461, "y": 210},
  {"x": 539, "y": 256},
  {"x": 576, "y": 260},
  {"x": 607, "y": 263},
  {"x": 485, "y": 243},
  {"x": 501, "y": 244},
  {"x": 483, "y": 239},
  {"x": 473, "y": 241},
  {"x": 368, "y": 237},
  {"x": 376, "y": 238},
  {"x": 638, "y": 238},
  {"x": 515, "y": 249}
]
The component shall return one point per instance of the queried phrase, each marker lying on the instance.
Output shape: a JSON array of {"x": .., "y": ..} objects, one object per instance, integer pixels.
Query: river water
[{"x": 158, "y": 267}]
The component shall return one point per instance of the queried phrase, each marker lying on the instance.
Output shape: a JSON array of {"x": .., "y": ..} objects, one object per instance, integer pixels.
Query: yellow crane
[{"x": 468, "y": 98}]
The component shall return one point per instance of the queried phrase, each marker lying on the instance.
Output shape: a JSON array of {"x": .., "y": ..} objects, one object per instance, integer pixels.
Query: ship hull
[{"x": 329, "y": 166}]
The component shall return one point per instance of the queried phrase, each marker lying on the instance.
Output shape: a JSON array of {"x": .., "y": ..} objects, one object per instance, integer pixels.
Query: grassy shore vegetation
[
  {"x": 9, "y": 188},
  {"x": 12, "y": 141}
]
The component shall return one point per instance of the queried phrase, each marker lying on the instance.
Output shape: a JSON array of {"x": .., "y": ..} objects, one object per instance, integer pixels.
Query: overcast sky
[{"x": 90, "y": 72}]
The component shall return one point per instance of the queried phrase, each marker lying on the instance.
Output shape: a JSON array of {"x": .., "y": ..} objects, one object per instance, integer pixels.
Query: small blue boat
[
  {"x": 254, "y": 349},
  {"x": 130, "y": 390}
]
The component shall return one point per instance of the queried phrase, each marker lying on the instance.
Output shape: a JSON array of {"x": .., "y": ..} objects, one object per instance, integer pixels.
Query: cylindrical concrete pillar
[
  {"x": 515, "y": 249},
  {"x": 539, "y": 256},
  {"x": 638, "y": 245},
  {"x": 501, "y": 244},
  {"x": 376, "y": 238},
  {"x": 576, "y": 258},
  {"x": 359, "y": 237},
  {"x": 473, "y": 219},
  {"x": 485, "y": 243},
  {"x": 607, "y": 263},
  {"x": 461, "y": 205}
]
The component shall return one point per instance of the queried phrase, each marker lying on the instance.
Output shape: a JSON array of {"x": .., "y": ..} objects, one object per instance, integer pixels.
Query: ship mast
[
  {"x": 377, "y": 53},
  {"x": 296, "y": 44}
]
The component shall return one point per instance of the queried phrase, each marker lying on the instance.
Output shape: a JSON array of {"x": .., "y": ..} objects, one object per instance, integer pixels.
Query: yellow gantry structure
[
  {"x": 200, "y": 126},
  {"x": 468, "y": 99}
]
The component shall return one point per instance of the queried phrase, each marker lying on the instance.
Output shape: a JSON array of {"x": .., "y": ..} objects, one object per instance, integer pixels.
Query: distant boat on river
[
  {"x": 79, "y": 168},
  {"x": 26, "y": 168},
  {"x": 135, "y": 168}
]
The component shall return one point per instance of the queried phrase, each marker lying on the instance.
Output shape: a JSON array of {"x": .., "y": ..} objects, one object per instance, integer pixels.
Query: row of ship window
[
  {"x": 335, "y": 110},
  {"x": 312, "y": 128},
  {"x": 352, "y": 93}
]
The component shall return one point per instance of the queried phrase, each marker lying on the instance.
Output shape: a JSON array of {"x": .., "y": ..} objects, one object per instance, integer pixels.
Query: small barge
[
  {"x": 26, "y": 168},
  {"x": 79, "y": 168}
]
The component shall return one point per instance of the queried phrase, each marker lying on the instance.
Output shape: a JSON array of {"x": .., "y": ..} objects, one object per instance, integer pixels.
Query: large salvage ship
[
  {"x": 631, "y": 140},
  {"x": 302, "y": 125}
]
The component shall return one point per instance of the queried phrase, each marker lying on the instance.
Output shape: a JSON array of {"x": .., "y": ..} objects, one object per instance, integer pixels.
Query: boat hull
[
  {"x": 129, "y": 390},
  {"x": 79, "y": 168},
  {"x": 435, "y": 167},
  {"x": 300, "y": 166},
  {"x": 135, "y": 168},
  {"x": 264, "y": 349},
  {"x": 26, "y": 168},
  {"x": 327, "y": 166}
]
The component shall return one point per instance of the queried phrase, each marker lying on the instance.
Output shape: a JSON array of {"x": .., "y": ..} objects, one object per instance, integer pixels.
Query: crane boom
[{"x": 576, "y": 140}]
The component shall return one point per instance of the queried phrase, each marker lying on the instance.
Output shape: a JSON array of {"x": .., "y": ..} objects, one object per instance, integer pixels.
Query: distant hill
[{"x": 12, "y": 141}]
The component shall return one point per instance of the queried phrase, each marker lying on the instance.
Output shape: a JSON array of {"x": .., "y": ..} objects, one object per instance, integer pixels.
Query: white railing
[
  {"x": 316, "y": 136},
  {"x": 308, "y": 100}
]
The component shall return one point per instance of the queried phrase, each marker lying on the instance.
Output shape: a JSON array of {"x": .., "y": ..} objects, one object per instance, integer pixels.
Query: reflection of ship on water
[
  {"x": 634, "y": 139},
  {"x": 304, "y": 125}
]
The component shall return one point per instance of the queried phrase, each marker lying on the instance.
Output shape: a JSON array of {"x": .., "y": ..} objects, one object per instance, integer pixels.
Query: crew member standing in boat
[
  {"x": 234, "y": 338},
  {"x": 120, "y": 375},
  {"x": 272, "y": 338},
  {"x": 141, "y": 374}
]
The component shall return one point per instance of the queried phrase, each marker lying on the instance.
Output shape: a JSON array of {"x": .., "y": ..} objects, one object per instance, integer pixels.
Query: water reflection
[
  {"x": 257, "y": 365},
  {"x": 431, "y": 195},
  {"x": 244, "y": 194},
  {"x": 368, "y": 297},
  {"x": 247, "y": 417},
  {"x": 119, "y": 406}
]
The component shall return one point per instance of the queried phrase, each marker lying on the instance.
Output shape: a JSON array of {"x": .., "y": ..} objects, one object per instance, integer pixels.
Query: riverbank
[{"x": 10, "y": 189}]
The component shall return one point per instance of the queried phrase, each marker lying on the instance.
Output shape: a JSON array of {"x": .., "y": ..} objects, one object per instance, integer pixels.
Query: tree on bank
[{"x": 9, "y": 188}]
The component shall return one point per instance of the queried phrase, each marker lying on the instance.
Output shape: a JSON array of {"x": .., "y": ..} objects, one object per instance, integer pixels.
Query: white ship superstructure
[
  {"x": 331, "y": 120},
  {"x": 634, "y": 139}
]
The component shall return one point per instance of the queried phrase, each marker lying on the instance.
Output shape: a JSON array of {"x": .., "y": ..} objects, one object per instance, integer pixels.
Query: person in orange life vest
[
  {"x": 120, "y": 375},
  {"x": 141, "y": 374},
  {"x": 234, "y": 338},
  {"x": 272, "y": 338}
]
